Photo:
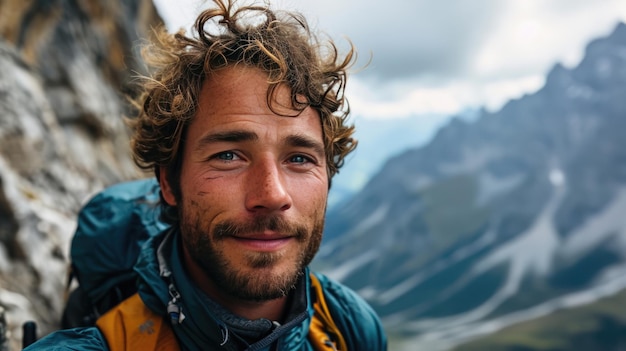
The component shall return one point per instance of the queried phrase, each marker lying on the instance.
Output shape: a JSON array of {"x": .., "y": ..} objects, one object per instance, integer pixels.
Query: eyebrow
[
  {"x": 305, "y": 142},
  {"x": 229, "y": 136},
  {"x": 241, "y": 136}
]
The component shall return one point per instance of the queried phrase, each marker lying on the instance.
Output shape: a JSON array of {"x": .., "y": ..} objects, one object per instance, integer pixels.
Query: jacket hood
[{"x": 152, "y": 287}]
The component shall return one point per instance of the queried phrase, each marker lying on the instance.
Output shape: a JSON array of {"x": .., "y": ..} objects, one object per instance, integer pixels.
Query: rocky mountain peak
[{"x": 497, "y": 217}]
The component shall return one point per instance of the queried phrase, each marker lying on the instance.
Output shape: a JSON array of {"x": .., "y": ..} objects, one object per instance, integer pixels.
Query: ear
[{"x": 166, "y": 188}]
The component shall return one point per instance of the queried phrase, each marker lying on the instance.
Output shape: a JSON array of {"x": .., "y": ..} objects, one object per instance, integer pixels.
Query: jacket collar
[{"x": 206, "y": 324}]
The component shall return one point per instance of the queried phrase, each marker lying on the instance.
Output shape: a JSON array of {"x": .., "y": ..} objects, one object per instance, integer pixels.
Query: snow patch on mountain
[
  {"x": 377, "y": 216},
  {"x": 407, "y": 285},
  {"x": 532, "y": 251},
  {"x": 598, "y": 229},
  {"x": 341, "y": 272},
  {"x": 472, "y": 160},
  {"x": 490, "y": 186}
]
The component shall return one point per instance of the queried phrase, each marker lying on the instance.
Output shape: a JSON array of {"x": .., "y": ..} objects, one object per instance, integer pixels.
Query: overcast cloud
[{"x": 444, "y": 56}]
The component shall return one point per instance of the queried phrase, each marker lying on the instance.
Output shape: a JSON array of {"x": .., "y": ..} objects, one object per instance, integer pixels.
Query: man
[{"x": 244, "y": 126}]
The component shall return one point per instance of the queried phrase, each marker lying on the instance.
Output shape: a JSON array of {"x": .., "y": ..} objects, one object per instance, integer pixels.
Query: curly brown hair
[{"x": 279, "y": 43}]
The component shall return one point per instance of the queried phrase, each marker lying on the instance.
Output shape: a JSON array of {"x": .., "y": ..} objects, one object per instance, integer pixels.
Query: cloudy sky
[{"x": 442, "y": 56}]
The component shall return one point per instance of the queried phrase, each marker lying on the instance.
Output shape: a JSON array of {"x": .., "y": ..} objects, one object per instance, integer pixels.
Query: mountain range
[{"x": 510, "y": 217}]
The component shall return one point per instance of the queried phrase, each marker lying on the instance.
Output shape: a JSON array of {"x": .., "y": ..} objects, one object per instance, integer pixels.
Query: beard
[{"x": 254, "y": 279}]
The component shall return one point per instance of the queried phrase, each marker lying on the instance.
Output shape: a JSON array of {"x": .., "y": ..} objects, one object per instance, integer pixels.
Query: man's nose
[{"x": 267, "y": 190}]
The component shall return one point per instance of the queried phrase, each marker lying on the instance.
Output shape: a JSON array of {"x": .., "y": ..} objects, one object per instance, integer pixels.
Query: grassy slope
[{"x": 597, "y": 326}]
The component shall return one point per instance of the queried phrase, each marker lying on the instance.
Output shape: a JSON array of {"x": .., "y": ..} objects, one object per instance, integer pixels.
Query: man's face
[{"x": 253, "y": 188}]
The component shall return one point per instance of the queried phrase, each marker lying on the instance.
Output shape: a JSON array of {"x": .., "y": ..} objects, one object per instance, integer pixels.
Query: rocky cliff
[{"x": 65, "y": 68}]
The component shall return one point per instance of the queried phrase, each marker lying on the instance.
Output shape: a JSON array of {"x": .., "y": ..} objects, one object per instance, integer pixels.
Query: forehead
[
  {"x": 236, "y": 85},
  {"x": 237, "y": 96}
]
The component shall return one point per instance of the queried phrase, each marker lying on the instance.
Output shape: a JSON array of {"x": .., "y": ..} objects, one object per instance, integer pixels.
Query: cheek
[
  {"x": 197, "y": 183},
  {"x": 212, "y": 198},
  {"x": 312, "y": 201},
  {"x": 313, "y": 186},
  {"x": 316, "y": 192}
]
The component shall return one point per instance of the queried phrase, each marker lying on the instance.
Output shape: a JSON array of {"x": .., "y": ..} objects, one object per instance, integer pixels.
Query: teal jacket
[{"x": 202, "y": 329}]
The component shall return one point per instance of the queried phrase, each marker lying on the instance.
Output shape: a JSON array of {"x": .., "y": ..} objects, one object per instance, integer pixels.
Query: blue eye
[
  {"x": 226, "y": 156},
  {"x": 299, "y": 159}
]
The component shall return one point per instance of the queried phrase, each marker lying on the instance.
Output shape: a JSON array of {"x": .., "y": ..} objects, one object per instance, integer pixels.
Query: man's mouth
[{"x": 263, "y": 242}]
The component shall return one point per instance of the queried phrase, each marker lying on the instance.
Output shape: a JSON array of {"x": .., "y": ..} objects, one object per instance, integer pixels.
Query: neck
[{"x": 271, "y": 309}]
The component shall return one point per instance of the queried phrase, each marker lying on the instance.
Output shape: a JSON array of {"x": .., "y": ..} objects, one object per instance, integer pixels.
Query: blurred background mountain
[
  {"x": 505, "y": 230},
  {"x": 510, "y": 217}
]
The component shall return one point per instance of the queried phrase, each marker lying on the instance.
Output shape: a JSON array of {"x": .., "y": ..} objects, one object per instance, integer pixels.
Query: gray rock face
[{"x": 64, "y": 69}]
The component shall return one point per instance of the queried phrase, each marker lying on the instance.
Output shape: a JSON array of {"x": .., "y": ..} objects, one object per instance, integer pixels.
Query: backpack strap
[
  {"x": 133, "y": 326},
  {"x": 323, "y": 332}
]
